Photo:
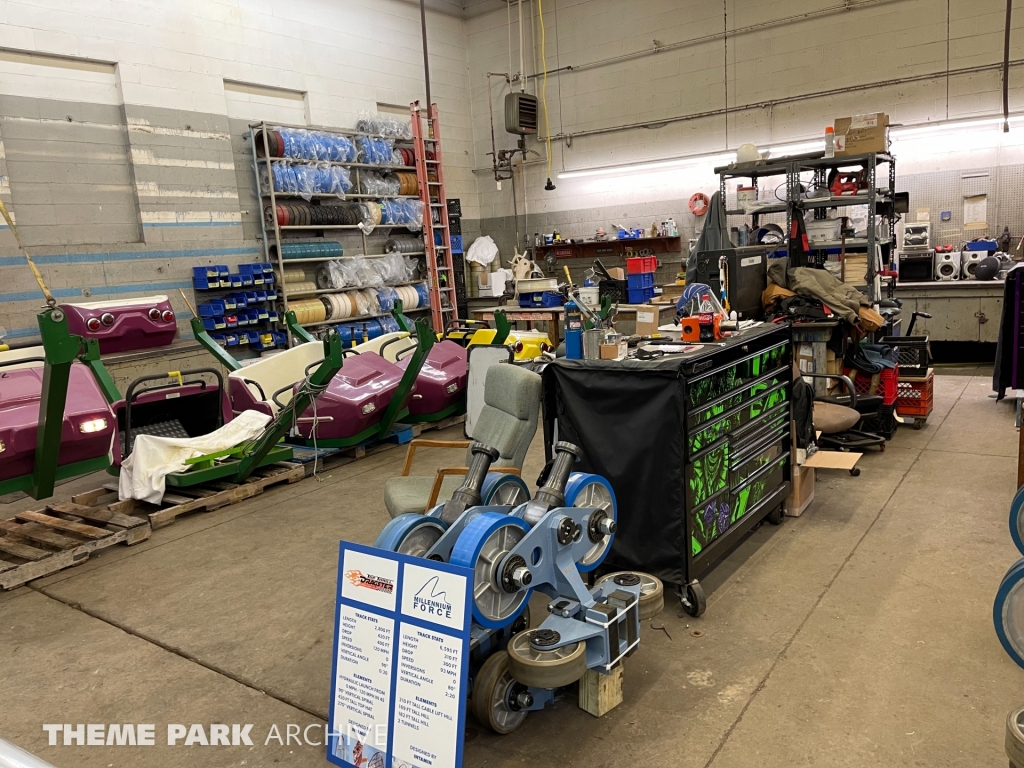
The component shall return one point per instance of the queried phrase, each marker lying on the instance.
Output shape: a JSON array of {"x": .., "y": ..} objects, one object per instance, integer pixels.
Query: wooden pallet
[
  {"x": 35, "y": 544},
  {"x": 418, "y": 429},
  {"x": 199, "y": 498}
]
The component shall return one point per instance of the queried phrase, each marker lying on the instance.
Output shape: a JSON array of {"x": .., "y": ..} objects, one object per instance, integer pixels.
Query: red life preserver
[{"x": 699, "y": 204}]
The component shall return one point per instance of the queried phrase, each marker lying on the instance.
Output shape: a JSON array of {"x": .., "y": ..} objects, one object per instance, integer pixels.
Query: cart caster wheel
[
  {"x": 694, "y": 602},
  {"x": 881, "y": 448},
  {"x": 493, "y": 690},
  {"x": 1014, "y": 744},
  {"x": 778, "y": 515},
  {"x": 918, "y": 423},
  {"x": 855, "y": 471}
]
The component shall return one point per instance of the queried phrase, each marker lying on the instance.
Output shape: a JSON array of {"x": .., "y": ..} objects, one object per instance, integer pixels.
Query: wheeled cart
[{"x": 696, "y": 447}]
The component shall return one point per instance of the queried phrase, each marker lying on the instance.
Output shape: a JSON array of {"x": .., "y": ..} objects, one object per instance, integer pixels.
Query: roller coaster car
[
  {"x": 124, "y": 324},
  {"x": 527, "y": 345},
  {"x": 353, "y": 403},
  {"x": 182, "y": 408},
  {"x": 86, "y": 433}
]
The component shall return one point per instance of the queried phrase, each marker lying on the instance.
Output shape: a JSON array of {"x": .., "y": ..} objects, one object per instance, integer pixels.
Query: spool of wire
[
  {"x": 404, "y": 245},
  {"x": 293, "y": 275},
  {"x": 319, "y": 249}
]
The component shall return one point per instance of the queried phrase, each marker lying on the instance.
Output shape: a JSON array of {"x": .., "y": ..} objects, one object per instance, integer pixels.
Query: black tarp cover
[{"x": 628, "y": 421}]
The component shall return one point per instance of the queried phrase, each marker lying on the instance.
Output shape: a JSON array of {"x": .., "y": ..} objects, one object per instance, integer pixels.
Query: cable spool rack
[
  {"x": 426, "y": 134},
  {"x": 377, "y": 243}
]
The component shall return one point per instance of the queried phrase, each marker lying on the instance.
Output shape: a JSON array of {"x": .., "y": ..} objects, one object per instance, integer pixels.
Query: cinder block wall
[
  {"x": 125, "y": 162},
  {"x": 766, "y": 76}
]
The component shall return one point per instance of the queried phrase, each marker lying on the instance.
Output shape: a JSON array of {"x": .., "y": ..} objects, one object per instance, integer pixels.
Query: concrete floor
[{"x": 857, "y": 635}]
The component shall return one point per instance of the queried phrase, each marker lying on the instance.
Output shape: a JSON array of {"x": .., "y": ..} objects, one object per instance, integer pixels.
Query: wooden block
[
  {"x": 103, "y": 515},
  {"x": 21, "y": 550},
  {"x": 89, "y": 498},
  {"x": 599, "y": 693}
]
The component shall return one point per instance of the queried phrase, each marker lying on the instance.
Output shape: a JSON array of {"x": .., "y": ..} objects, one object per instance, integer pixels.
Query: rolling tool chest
[{"x": 697, "y": 447}]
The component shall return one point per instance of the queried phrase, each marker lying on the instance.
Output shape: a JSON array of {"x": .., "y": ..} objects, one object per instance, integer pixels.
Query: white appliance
[
  {"x": 968, "y": 261},
  {"x": 947, "y": 266},
  {"x": 916, "y": 236}
]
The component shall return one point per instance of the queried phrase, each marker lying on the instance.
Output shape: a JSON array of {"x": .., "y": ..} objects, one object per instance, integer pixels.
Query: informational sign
[{"x": 401, "y": 657}]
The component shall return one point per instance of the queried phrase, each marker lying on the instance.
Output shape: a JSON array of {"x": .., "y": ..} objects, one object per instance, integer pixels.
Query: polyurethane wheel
[
  {"x": 500, "y": 489},
  {"x": 1008, "y": 613},
  {"x": 693, "y": 599},
  {"x": 855, "y": 471},
  {"x": 1017, "y": 520},
  {"x": 491, "y": 692},
  {"x": 918, "y": 423},
  {"x": 652, "y": 593},
  {"x": 583, "y": 491},
  {"x": 545, "y": 669},
  {"x": 482, "y": 546},
  {"x": 1015, "y": 736},
  {"x": 411, "y": 534},
  {"x": 778, "y": 515}
]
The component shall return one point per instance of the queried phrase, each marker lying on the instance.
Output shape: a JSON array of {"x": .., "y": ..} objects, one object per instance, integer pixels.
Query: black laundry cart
[{"x": 696, "y": 447}]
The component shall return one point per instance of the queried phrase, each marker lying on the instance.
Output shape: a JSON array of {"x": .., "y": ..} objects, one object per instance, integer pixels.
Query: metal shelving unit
[
  {"x": 812, "y": 170},
  {"x": 275, "y": 234}
]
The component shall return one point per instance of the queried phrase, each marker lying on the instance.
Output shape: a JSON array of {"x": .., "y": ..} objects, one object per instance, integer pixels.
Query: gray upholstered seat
[{"x": 507, "y": 422}]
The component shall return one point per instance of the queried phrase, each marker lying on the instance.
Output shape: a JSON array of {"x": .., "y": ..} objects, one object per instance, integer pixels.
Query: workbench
[
  {"x": 625, "y": 321},
  {"x": 695, "y": 446},
  {"x": 961, "y": 310}
]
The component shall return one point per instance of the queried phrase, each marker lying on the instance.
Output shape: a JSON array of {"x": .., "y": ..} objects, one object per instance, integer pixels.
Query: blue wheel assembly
[
  {"x": 411, "y": 534},
  {"x": 585, "y": 490},
  {"x": 500, "y": 489},
  {"x": 1008, "y": 613},
  {"x": 483, "y": 545},
  {"x": 1017, "y": 520}
]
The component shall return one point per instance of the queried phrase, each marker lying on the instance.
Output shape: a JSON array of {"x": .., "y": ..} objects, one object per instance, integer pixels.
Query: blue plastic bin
[{"x": 641, "y": 280}]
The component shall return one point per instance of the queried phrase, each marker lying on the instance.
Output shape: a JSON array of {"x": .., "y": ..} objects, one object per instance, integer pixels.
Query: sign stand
[{"x": 401, "y": 661}]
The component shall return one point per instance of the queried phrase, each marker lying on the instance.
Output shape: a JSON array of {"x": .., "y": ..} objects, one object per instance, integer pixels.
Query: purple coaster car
[
  {"x": 88, "y": 428},
  {"x": 124, "y": 324},
  {"x": 354, "y": 401},
  {"x": 442, "y": 380}
]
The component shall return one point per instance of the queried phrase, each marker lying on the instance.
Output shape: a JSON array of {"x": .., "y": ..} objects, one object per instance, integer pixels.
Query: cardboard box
[
  {"x": 802, "y": 493},
  {"x": 617, "y": 273},
  {"x": 614, "y": 351},
  {"x": 490, "y": 284},
  {"x": 647, "y": 322},
  {"x": 861, "y": 134}
]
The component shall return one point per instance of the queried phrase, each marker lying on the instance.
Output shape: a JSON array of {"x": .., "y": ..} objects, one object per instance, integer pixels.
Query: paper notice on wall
[
  {"x": 924, "y": 214},
  {"x": 976, "y": 212}
]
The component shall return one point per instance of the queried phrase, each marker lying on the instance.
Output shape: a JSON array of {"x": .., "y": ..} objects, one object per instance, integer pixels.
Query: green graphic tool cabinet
[{"x": 697, "y": 447}]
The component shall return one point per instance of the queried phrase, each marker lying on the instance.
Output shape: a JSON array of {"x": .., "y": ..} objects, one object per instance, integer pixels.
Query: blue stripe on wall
[
  {"x": 95, "y": 258},
  {"x": 192, "y": 224},
  {"x": 107, "y": 290}
]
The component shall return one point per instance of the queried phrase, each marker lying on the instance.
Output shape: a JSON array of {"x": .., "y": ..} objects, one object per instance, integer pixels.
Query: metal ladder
[{"x": 441, "y": 272}]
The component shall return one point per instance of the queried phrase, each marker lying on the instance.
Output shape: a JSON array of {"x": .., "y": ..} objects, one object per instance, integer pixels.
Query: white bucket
[{"x": 591, "y": 296}]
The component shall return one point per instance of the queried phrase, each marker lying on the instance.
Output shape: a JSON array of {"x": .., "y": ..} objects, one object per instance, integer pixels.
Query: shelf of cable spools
[
  {"x": 320, "y": 182},
  {"x": 354, "y": 295}
]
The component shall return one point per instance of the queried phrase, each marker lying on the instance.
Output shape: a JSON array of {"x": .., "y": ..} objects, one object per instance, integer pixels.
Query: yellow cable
[
  {"x": 50, "y": 301},
  {"x": 544, "y": 86}
]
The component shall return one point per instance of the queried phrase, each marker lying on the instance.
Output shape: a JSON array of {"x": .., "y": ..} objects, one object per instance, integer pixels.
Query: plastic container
[
  {"x": 591, "y": 296},
  {"x": 885, "y": 384},
  {"x": 640, "y": 295},
  {"x": 912, "y": 353},
  {"x": 830, "y": 141},
  {"x": 640, "y": 264},
  {"x": 916, "y": 398},
  {"x": 640, "y": 280}
]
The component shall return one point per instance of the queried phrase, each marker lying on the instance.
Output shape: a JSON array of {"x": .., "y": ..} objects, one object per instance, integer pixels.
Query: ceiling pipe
[{"x": 1006, "y": 68}]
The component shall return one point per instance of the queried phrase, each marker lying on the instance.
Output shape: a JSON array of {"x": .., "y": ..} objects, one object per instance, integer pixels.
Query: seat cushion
[
  {"x": 831, "y": 418},
  {"x": 410, "y": 494}
]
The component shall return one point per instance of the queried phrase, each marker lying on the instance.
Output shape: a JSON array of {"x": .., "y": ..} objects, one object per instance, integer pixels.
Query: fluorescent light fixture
[
  {"x": 778, "y": 151},
  {"x": 92, "y": 425},
  {"x": 653, "y": 165}
]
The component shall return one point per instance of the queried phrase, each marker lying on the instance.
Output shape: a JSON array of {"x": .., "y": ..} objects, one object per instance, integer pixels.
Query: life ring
[{"x": 699, "y": 204}]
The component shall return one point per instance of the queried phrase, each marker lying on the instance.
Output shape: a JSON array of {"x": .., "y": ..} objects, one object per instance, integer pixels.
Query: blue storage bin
[
  {"x": 251, "y": 298},
  {"x": 245, "y": 279},
  {"x": 223, "y": 273},
  {"x": 254, "y": 338},
  {"x": 243, "y": 339},
  {"x": 242, "y": 318},
  {"x": 211, "y": 308},
  {"x": 271, "y": 294},
  {"x": 234, "y": 281},
  {"x": 206, "y": 278},
  {"x": 551, "y": 299},
  {"x": 527, "y": 300},
  {"x": 640, "y": 295},
  {"x": 280, "y": 337},
  {"x": 213, "y": 323},
  {"x": 240, "y": 301},
  {"x": 262, "y": 313},
  {"x": 231, "y": 321},
  {"x": 231, "y": 339},
  {"x": 641, "y": 280},
  {"x": 456, "y": 243},
  {"x": 261, "y": 296},
  {"x": 272, "y": 316},
  {"x": 254, "y": 315},
  {"x": 229, "y": 303},
  {"x": 220, "y": 338}
]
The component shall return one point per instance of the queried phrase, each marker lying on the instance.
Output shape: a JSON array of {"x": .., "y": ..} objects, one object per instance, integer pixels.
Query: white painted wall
[
  {"x": 345, "y": 54},
  {"x": 871, "y": 44}
]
